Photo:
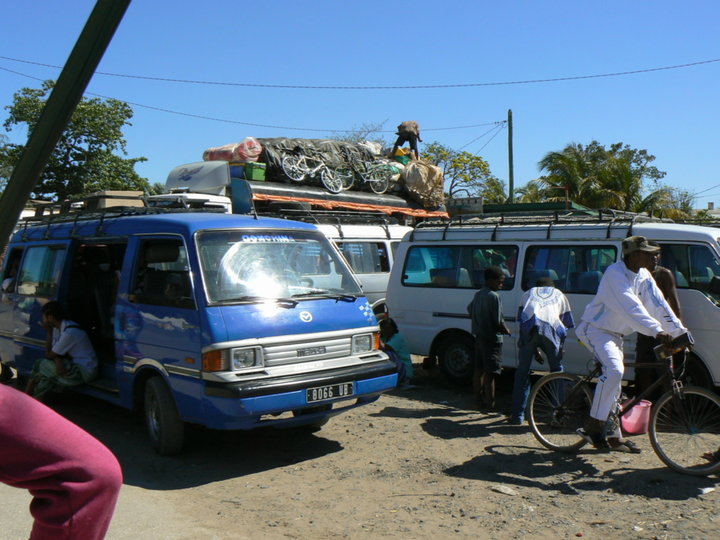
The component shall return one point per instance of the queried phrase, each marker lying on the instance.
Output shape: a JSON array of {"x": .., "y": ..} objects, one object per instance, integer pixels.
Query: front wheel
[
  {"x": 164, "y": 426},
  {"x": 330, "y": 179},
  {"x": 457, "y": 359},
  {"x": 557, "y": 407},
  {"x": 683, "y": 427}
]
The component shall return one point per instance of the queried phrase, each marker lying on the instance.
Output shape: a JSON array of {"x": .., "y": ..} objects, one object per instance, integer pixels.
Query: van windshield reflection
[{"x": 257, "y": 266}]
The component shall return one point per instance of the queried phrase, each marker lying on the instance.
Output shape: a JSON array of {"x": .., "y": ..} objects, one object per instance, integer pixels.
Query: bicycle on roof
[
  {"x": 298, "y": 166},
  {"x": 684, "y": 423}
]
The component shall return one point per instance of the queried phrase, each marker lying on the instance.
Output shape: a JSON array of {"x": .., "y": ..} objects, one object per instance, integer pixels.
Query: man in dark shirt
[
  {"x": 488, "y": 327},
  {"x": 408, "y": 131},
  {"x": 645, "y": 376}
]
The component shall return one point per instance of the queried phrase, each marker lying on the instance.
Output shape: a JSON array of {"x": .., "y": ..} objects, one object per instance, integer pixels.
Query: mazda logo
[{"x": 306, "y": 316}]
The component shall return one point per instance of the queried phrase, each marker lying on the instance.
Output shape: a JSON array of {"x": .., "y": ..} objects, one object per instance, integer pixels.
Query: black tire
[
  {"x": 317, "y": 425},
  {"x": 330, "y": 179},
  {"x": 291, "y": 166},
  {"x": 684, "y": 427},
  {"x": 457, "y": 359},
  {"x": 164, "y": 426},
  {"x": 696, "y": 374},
  {"x": 557, "y": 406}
]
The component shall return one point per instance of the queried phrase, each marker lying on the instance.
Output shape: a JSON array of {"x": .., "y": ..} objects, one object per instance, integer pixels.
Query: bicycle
[
  {"x": 684, "y": 422},
  {"x": 298, "y": 167},
  {"x": 376, "y": 175}
]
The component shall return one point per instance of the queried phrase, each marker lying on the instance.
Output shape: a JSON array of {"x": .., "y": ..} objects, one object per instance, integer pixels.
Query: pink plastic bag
[
  {"x": 636, "y": 421},
  {"x": 247, "y": 150}
]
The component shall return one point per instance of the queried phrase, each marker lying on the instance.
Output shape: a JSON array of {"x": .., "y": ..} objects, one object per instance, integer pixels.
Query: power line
[
  {"x": 489, "y": 140},
  {"x": 252, "y": 124},
  {"x": 482, "y": 135},
  {"x": 379, "y": 87}
]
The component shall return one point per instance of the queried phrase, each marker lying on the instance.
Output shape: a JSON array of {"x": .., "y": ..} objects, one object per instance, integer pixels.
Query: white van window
[
  {"x": 250, "y": 266},
  {"x": 694, "y": 266},
  {"x": 458, "y": 266},
  {"x": 40, "y": 271},
  {"x": 574, "y": 269},
  {"x": 365, "y": 257}
]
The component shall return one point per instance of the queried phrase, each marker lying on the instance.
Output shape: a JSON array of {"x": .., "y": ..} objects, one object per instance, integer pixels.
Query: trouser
[
  {"x": 607, "y": 348},
  {"x": 521, "y": 387},
  {"x": 73, "y": 478}
]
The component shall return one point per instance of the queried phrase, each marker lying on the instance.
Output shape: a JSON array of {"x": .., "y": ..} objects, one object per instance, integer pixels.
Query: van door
[
  {"x": 370, "y": 261},
  {"x": 158, "y": 320}
]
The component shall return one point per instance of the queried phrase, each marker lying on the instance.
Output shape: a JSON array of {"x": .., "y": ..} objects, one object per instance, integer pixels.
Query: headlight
[
  {"x": 362, "y": 343},
  {"x": 245, "y": 358}
]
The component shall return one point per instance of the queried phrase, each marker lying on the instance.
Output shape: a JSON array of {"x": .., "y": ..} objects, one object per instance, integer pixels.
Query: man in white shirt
[
  {"x": 69, "y": 356},
  {"x": 628, "y": 300}
]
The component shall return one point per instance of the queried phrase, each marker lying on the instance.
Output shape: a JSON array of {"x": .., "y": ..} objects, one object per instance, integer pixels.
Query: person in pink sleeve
[{"x": 73, "y": 478}]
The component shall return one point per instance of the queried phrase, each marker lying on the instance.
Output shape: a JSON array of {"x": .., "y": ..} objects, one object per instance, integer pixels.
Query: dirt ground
[{"x": 417, "y": 463}]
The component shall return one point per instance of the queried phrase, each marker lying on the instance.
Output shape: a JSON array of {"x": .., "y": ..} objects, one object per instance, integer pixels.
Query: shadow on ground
[{"x": 572, "y": 474}]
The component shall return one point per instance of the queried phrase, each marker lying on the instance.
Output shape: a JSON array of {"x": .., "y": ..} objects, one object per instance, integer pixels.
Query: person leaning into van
[
  {"x": 628, "y": 300},
  {"x": 543, "y": 318},
  {"x": 69, "y": 356},
  {"x": 488, "y": 327},
  {"x": 392, "y": 340}
]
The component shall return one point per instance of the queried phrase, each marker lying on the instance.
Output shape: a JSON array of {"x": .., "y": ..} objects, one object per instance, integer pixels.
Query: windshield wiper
[
  {"x": 250, "y": 298},
  {"x": 322, "y": 293}
]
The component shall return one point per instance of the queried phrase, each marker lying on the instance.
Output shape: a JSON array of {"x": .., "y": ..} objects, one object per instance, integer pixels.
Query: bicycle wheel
[
  {"x": 685, "y": 426},
  {"x": 379, "y": 179},
  {"x": 293, "y": 168},
  {"x": 557, "y": 407},
  {"x": 347, "y": 177},
  {"x": 330, "y": 179}
]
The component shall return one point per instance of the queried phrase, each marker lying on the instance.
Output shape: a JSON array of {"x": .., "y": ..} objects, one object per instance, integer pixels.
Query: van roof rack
[
  {"x": 336, "y": 218},
  {"x": 548, "y": 218}
]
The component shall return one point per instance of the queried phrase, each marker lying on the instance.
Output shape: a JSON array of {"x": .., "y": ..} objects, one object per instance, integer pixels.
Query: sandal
[
  {"x": 712, "y": 457},
  {"x": 597, "y": 440},
  {"x": 624, "y": 445}
]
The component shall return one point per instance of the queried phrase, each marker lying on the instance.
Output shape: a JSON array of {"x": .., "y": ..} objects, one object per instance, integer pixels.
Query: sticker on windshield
[{"x": 267, "y": 238}]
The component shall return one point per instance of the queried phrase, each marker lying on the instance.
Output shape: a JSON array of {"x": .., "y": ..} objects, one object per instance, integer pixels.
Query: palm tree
[{"x": 571, "y": 173}]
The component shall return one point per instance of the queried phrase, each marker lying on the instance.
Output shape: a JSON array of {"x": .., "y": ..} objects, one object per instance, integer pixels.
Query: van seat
[
  {"x": 443, "y": 277},
  {"x": 531, "y": 276},
  {"x": 588, "y": 282},
  {"x": 680, "y": 279}
]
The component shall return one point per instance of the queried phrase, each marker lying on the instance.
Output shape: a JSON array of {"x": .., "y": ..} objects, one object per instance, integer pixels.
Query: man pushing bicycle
[{"x": 628, "y": 300}]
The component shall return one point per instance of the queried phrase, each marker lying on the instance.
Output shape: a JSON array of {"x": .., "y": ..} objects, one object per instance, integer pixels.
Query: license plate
[{"x": 331, "y": 391}]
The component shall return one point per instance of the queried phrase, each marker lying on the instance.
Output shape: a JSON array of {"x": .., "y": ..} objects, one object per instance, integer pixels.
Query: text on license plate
[{"x": 330, "y": 391}]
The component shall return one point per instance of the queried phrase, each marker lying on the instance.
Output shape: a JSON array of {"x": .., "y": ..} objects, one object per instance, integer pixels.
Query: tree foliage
[
  {"x": 84, "y": 159},
  {"x": 368, "y": 131},
  {"x": 466, "y": 175},
  {"x": 619, "y": 177}
]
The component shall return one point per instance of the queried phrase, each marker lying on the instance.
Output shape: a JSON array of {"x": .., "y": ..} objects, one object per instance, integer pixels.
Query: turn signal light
[{"x": 212, "y": 361}]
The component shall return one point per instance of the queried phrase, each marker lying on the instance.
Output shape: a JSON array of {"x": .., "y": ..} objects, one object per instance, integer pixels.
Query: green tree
[
  {"x": 84, "y": 159},
  {"x": 619, "y": 177},
  {"x": 466, "y": 175},
  {"x": 532, "y": 192}
]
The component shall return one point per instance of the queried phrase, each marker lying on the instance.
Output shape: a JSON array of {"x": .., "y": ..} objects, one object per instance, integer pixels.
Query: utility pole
[
  {"x": 74, "y": 78},
  {"x": 511, "y": 173}
]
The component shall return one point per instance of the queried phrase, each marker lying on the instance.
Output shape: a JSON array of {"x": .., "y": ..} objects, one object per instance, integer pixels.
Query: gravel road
[{"x": 417, "y": 463}]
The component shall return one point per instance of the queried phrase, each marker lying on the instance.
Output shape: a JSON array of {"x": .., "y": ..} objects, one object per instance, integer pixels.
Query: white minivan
[{"x": 439, "y": 266}]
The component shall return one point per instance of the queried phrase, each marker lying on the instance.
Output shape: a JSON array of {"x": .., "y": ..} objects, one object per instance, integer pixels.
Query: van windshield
[{"x": 253, "y": 266}]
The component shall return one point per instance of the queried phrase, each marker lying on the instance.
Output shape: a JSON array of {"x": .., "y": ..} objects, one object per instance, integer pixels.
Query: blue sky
[{"x": 672, "y": 113}]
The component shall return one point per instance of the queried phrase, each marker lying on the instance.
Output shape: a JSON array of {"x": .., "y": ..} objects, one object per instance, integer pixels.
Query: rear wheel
[
  {"x": 557, "y": 407},
  {"x": 685, "y": 426},
  {"x": 456, "y": 354},
  {"x": 293, "y": 169},
  {"x": 164, "y": 426}
]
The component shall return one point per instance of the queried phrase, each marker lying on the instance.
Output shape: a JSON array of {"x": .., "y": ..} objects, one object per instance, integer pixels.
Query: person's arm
[
  {"x": 566, "y": 316},
  {"x": 502, "y": 327},
  {"x": 666, "y": 283},
  {"x": 626, "y": 305}
]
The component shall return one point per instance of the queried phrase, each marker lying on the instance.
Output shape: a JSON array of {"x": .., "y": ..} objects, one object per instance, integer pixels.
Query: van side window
[
  {"x": 574, "y": 269},
  {"x": 162, "y": 274},
  {"x": 40, "y": 271},
  {"x": 365, "y": 257},
  {"x": 458, "y": 266},
  {"x": 694, "y": 266},
  {"x": 12, "y": 268}
]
